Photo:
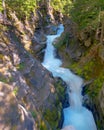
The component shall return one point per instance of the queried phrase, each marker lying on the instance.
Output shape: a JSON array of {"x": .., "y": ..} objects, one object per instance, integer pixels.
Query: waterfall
[{"x": 76, "y": 117}]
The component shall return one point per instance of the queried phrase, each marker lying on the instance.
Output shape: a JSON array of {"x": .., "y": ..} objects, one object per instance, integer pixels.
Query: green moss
[
  {"x": 74, "y": 67},
  {"x": 1, "y": 8},
  {"x": 15, "y": 91},
  {"x": 34, "y": 114},
  {"x": 63, "y": 6},
  {"x": 52, "y": 117},
  {"x": 21, "y": 66},
  {"x": 4, "y": 79},
  {"x": 91, "y": 70},
  {"x": 62, "y": 41},
  {"x": 43, "y": 126},
  {"x": 99, "y": 125},
  {"x": 86, "y": 13},
  {"x": 22, "y": 8},
  {"x": 96, "y": 86},
  {"x": 14, "y": 127},
  {"x": 11, "y": 79}
]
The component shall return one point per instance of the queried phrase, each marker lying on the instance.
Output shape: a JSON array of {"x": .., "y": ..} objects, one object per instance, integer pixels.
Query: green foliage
[
  {"x": 21, "y": 66},
  {"x": 60, "y": 91},
  {"x": 43, "y": 126},
  {"x": 34, "y": 114},
  {"x": 15, "y": 91},
  {"x": 1, "y": 8},
  {"x": 99, "y": 124},
  {"x": 3, "y": 79},
  {"x": 62, "y": 5},
  {"x": 64, "y": 40},
  {"x": 52, "y": 117},
  {"x": 23, "y": 8},
  {"x": 92, "y": 69},
  {"x": 97, "y": 85},
  {"x": 87, "y": 12}
]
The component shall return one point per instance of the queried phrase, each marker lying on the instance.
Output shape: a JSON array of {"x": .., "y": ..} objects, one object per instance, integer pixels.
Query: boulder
[
  {"x": 51, "y": 30},
  {"x": 40, "y": 37}
]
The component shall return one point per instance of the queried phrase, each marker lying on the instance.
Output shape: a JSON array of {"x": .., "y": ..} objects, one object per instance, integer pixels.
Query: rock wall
[{"x": 30, "y": 98}]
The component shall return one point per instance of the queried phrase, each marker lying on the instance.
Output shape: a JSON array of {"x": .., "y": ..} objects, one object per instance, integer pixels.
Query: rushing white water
[{"x": 76, "y": 117}]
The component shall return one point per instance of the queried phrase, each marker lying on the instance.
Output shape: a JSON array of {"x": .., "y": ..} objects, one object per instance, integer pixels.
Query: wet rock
[
  {"x": 40, "y": 37},
  {"x": 51, "y": 30},
  {"x": 87, "y": 101},
  {"x": 38, "y": 50},
  {"x": 38, "y": 44},
  {"x": 56, "y": 41}
]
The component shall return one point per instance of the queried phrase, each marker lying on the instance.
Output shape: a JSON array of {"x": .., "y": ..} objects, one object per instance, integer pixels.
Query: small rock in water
[{"x": 68, "y": 128}]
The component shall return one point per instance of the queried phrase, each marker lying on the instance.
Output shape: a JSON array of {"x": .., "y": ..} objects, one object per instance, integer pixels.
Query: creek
[{"x": 76, "y": 116}]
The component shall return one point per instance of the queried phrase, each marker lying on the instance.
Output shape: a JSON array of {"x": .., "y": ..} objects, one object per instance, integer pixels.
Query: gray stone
[{"x": 51, "y": 30}]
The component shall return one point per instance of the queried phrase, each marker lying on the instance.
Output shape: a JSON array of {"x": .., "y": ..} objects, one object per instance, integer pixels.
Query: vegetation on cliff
[
  {"x": 18, "y": 21},
  {"x": 21, "y": 74},
  {"x": 87, "y": 13},
  {"x": 89, "y": 16},
  {"x": 62, "y": 6},
  {"x": 85, "y": 49},
  {"x": 22, "y": 8}
]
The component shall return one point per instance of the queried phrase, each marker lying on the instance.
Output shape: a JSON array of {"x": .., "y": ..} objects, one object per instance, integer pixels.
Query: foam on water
[
  {"x": 76, "y": 116},
  {"x": 81, "y": 119}
]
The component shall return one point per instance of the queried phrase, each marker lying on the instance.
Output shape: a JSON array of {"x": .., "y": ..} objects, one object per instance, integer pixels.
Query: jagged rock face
[
  {"x": 13, "y": 115},
  {"x": 27, "y": 89},
  {"x": 29, "y": 95},
  {"x": 68, "y": 45},
  {"x": 51, "y": 30}
]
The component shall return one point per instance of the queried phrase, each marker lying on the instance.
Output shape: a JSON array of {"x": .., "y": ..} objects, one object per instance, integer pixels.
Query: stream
[{"x": 76, "y": 116}]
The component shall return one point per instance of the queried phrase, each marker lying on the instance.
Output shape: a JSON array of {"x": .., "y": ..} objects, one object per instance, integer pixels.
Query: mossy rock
[{"x": 52, "y": 116}]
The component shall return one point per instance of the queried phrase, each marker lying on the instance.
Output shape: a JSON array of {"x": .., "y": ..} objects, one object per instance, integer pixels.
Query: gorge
[
  {"x": 52, "y": 65},
  {"x": 76, "y": 115}
]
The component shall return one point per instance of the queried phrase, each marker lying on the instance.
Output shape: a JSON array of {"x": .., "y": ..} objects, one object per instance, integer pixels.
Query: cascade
[{"x": 76, "y": 117}]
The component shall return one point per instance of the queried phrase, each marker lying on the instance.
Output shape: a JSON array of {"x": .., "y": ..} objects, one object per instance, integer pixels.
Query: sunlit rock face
[{"x": 27, "y": 89}]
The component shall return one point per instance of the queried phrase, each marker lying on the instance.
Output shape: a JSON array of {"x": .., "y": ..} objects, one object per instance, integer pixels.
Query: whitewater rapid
[{"x": 76, "y": 117}]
